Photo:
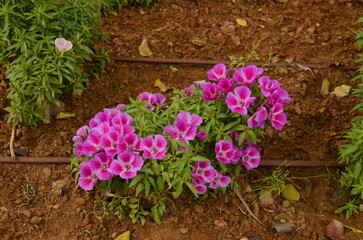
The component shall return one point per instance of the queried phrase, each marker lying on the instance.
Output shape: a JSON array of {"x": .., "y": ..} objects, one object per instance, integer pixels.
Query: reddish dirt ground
[{"x": 43, "y": 202}]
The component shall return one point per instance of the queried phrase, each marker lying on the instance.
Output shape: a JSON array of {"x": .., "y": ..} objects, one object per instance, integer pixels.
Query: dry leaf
[
  {"x": 335, "y": 230},
  {"x": 144, "y": 49},
  {"x": 124, "y": 236},
  {"x": 241, "y": 22},
  {"x": 65, "y": 115},
  {"x": 161, "y": 85},
  {"x": 325, "y": 87},
  {"x": 342, "y": 91},
  {"x": 268, "y": 202},
  {"x": 285, "y": 227}
]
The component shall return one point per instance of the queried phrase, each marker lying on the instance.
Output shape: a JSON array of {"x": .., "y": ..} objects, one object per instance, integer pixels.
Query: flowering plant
[{"x": 154, "y": 151}]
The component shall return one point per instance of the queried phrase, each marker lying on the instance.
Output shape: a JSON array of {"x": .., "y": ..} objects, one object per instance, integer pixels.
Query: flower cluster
[
  {"x": 112, "y": 146},
  {"x": 237, "y": 92}
]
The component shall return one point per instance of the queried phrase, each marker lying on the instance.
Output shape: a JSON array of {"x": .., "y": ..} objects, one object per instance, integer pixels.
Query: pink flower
[
  {"x": 154, "y": 147},
  {"x": 181, "y": 131},
  {"x": 199, "y": 187},
  {"x": 111, "y": 143},
  {"x": 123, "y": 130},
  {"x": 81, "y": 134},
  {"x": 210, "y": 91},
  {"x": 127, "y": 164},
  {"x": 111, "y": 112},
  {"x": 130, "y": 143},
  {"x": 277, "y": 116},
  {"x": 101, "y": 129},
  {"x": 218, "y": 71},
  {"x": 267, "y": 85},
  {"x": 63, "y": 45},
  {"x": 100, "y": 166},
  {"x": 122, "y": 119},
  {"x": 224, "y": 151},
  {"x": 247, "y": 75},
  {"x": 91, "y": 145},
  {"x": 258, "y": 118},
  {"x": 279, "y": 95},
  {"x": 121, "y": 107},
  {"x": 87, "y": 178},
  {"x": 152, "y": 99},
  {"x": 201, "y": 135},
  {"x": 250, "y": 157},
  {"x": 203, "y": 172},
  {"x": 99, "y": 118},
  {"x": 226, "y": 85},
  {"x": 219, "y": 180},
  {"x": 237, "y": 155},
  {"x": 192, "y": 119},
  {"x": 240, "y": 100}
]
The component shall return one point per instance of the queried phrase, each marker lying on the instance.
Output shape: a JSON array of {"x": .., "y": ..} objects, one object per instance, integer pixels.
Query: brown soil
[{"x": 43, "y": 202}]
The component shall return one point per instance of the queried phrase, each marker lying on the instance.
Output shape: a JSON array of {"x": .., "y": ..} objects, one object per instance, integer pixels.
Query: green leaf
[
  {"x": 136, "y": 179},
  {"x": 160, "y": 184},
  {"x": 199, "y": 158},
  {"x": 155, "y": 215},
  {"x": 192, "y": 189},
  {"x": 139, "y": 188}
]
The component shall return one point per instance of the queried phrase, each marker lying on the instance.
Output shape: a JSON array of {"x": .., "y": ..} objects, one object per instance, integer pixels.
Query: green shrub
[
  {"x": 351, "y": 152},
  {"x": 37, "y": 72}
]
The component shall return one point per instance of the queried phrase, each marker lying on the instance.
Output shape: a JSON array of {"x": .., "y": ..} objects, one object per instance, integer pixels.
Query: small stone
[
  {"x": 27, "y": 213},
  {"x": 59, "y": 187},
  {"x": 56, "y": 206},
  {"x": 184, "y": 230},
  {"x": 198, "y": 209},
  {"x": 236, "y": 40},
  {"x": 36, "y": 220},
  {"x": 47, "y": 172},
  {"x": 220, "y": 223}
]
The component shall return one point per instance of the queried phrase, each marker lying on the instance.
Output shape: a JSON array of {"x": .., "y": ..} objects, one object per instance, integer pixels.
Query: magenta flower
[
  {"x": 130, "y": 143},
  {"x": 100, "y": 166},
  {"x": 189, "y": 91},
  {"x": 111, "y": 143},
  {"x": 122, "y": 119},
  {"x": 78, "y": 149},
  {"x": 101, "y": 129},
  {"x": 87, "y": 179},
  {"x": 199, "y": 187},
  {"x": 192, "y": 119},
  {"x": 210, "y": 91},
  {"x": 218, "y": 71},
  {"x": 63, "y": 45},
  {"x": 237, "y": 155},
  {"x": 111, "y": 112},
  {"x": 240, "y": 100},
  {"x": 258, "y": 118},
  {"x": 279, "y": 95},
  {"x": 81, "y": 134},
  {"x": 247, "y": 75},
  {"x": 154, "y": 147},
  {"x": 250, "y": 157},
  {"x": 277, "y": 116},
  {"x": 267, "y": 85},
  {"x": 99, "y": 118},
  {"x": 201, "y": 135},
  {"x": 181, "y": 131},
  {"x": 224, "y": 151},
  {"x": 123, "y": 130},
  {"x": 153, "y": 99},
  {"x": 127, "y": 164},
  {"x": 91, "y": 145},
  {"x": 219, "y": 180},
  {"x": 203, "y": 172},
  {"x": 121, "y": 107},
  {"x": 226, "y": 85}
]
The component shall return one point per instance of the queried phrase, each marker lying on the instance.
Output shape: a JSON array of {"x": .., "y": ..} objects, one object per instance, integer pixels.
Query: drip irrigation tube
[
  {"x": 263, "y": 163},
  {"x": 213, "y": 62}
]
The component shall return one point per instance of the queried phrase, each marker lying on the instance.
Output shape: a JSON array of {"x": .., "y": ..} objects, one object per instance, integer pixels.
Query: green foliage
[
  {"x": 351, "y": 152},
  {"x": 112, "y": 7},
  {"x": 159, "y": 181},
  {"x": 37, "y": 72}
]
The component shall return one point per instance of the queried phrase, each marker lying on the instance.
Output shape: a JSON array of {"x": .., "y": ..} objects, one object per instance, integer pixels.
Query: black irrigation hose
[
  {"x": 263, "y": 163},
  {"x": 213, "y": 62}
]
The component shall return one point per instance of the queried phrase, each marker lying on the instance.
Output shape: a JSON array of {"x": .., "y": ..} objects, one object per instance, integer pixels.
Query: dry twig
[{"x": 236, "y": 191}]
